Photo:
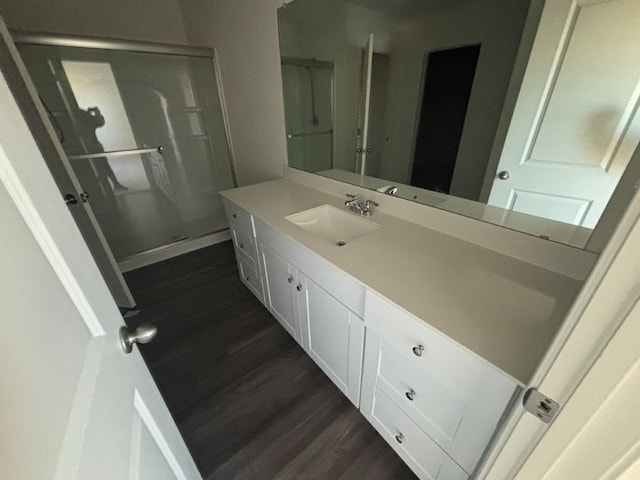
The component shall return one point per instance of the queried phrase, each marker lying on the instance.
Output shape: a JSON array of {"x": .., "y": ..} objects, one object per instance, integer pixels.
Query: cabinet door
[
  {"x": 281, "y": 281},
  {"x": 333, "y": 336}
]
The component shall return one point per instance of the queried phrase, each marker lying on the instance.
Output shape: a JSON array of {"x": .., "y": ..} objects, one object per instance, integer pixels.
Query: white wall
[
  {"x": 149, "y": 20},
  {"x": 245, "y": 36},
  {"x": 497, "y": 25}
]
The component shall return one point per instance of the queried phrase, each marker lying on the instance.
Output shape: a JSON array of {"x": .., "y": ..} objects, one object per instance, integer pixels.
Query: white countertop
[
  {"x": 501, "y": 308},
  {"x": 568, "y": 234}
]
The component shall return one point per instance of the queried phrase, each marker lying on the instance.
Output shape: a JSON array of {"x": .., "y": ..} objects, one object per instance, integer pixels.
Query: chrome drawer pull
[
  {"x": 417, "y": 351},
  {"x": 299, "y": 287},
  {"x": 290, "y": 279},
  {"x": 400, "y": 438},
  {"x": 411, "y": 394}
]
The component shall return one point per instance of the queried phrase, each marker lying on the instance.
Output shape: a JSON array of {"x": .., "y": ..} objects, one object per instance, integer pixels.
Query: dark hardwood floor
[{"x": 249, "y": 402}]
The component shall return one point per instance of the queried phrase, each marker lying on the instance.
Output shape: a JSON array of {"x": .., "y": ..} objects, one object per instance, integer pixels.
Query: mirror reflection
[{"x": 522, "y": 113}]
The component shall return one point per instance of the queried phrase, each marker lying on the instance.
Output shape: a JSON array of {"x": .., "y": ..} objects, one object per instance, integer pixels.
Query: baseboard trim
[{"x": 169, "y": 251}]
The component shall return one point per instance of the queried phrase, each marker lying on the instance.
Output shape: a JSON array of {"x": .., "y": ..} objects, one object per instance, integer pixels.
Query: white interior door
[
  {"x": 575, "y": 125},
  {"x": 23, "y": 89},
  {"x": 362, "y": 140},
  {"x": 598, "y": 434},
  {"x": 72, "y": 404},
  {"x": 593, "y": 371}
]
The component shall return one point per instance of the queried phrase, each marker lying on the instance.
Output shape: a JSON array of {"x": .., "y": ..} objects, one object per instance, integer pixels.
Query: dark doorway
[{"x": 447, "y": 87}]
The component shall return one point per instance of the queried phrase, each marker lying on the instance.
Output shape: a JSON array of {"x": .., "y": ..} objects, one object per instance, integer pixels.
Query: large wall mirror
[{"x": 516, "y": 112}]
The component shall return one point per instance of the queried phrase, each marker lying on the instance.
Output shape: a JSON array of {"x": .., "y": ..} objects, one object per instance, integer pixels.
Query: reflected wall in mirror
[{"x": 522, "y": 113}]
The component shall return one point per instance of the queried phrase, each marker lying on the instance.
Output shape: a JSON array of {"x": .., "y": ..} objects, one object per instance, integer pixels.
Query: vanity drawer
[
  {"x": 250, "y": 276},
  {"x": 241, "y": 229},
  {"x": 458, "y": 398},
  {"x": 460, "y": 416},
  {"x": 425, "y": 348},
  {"x": 415, "y": 447}
]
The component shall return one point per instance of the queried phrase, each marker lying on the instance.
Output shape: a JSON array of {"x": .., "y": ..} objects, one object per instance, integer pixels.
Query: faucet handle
[
  {"x": 367, "y": 208},
  {"x": 352, "y": 196}
]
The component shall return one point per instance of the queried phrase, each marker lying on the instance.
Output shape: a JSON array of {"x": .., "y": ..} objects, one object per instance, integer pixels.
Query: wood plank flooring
[{"x": 249, "y": 402}]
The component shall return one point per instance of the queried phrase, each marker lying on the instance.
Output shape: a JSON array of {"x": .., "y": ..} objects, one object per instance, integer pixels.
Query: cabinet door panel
[
  {"x": 279, "y": 290},
  {"x": 333, "y": 336}
]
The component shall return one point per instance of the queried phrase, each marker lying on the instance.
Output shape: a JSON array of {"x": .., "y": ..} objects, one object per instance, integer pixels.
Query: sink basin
[{"x": 333, "y": 225}]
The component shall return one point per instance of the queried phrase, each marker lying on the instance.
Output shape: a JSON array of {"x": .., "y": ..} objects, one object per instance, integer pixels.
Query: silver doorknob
[
  {"x": 504, "y": 175},
  {"x": 143, "y": 334}
]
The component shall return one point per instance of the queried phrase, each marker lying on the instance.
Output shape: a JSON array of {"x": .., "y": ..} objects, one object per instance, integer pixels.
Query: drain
[{"x": 341, "y": 243}]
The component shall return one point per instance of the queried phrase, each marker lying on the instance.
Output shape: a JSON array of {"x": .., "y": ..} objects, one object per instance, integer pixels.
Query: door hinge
[{"x": 540, "y": 405}]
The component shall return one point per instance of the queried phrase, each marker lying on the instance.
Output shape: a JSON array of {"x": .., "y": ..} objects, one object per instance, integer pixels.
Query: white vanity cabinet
[
  {"x": 434, "y": 401},
  {"x": 246, "y": 249},
  {"x": 315, "y": 303},
  {"x": 417, "y": 379}
]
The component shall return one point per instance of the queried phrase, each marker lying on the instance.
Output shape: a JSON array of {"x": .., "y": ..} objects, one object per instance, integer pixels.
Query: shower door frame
[
  {"x": 324, "y": 65},
  {"x": 179, "y": 247}
]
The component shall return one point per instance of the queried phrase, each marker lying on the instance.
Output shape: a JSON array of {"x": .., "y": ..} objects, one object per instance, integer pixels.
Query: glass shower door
[
  {"x": 308, "y": 100},
  {"x": 145, "y": 135}
]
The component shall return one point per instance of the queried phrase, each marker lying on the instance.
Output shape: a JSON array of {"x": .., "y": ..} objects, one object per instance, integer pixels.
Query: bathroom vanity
[{"x": 431, "y": 336}]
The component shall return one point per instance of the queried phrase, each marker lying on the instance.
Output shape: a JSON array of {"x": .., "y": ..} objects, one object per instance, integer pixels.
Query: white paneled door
[
  {"x": 72, "y": 404},
  {"x": 575, "y": 125}
]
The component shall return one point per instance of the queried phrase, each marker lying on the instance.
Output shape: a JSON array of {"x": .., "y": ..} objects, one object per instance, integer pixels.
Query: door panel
[
  {"x": 327, "y": 337},
  {"x": 280, "y": 289},
  {"x": 151, "y": 457},
  {"x": 333, "y": 336},
  {"x": 575, "y": 125},
  {"x": 556, "y": 207},
  {"x": 68, "y": 390}
]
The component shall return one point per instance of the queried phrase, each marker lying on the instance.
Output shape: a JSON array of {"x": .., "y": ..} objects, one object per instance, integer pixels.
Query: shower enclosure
[
  {"x": 308, "y": 100},
  {"x": 143, "y": 129}
]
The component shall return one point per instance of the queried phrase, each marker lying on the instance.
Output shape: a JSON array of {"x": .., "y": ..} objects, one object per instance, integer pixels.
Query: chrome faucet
[
  {"x": 391, "y": 190},
  {"x": 355, "y": 205}
]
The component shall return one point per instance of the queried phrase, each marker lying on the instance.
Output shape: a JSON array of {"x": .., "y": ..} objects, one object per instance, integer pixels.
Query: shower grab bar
[
  {"x": 310, "y": 134},
  {"x": 116, "y": 153}
]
